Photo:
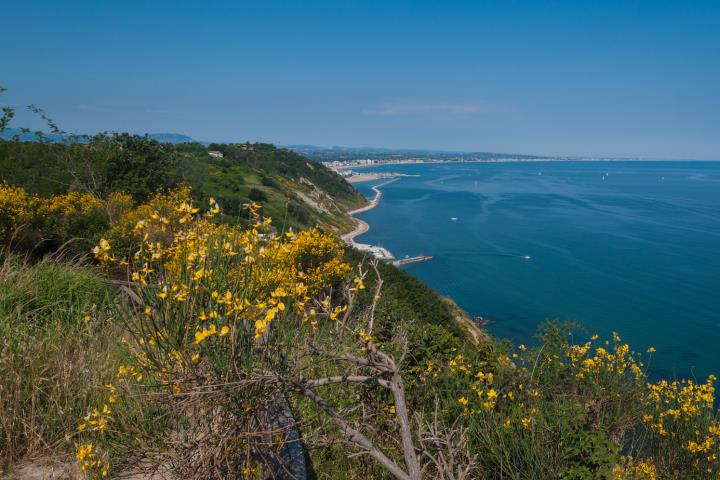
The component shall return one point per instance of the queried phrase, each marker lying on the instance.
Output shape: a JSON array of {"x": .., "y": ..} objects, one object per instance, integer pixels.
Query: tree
[
  {"x": 136, "y": 165},
  {"x": 7, "y": 114}
]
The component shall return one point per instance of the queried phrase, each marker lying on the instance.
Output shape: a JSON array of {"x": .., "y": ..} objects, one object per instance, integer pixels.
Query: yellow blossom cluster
[
  {"x": 682, "y": 414},
  {"x": 96, "y": 420},
  {"x": 207, "y": 285},
  {"x": 484, "y": 395},
  {"x": 94, "y": 425},
  {"x": 90, "y": 464},
  {"x": 24, "y": 216},
  {"x": 17, "y": 208},
  {"x": 629, "y": 469},
  {"x": 70, "y": 204},
  {"x": 604, "y": 361}
]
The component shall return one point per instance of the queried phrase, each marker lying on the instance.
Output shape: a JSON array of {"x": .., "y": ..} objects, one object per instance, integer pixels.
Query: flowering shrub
[
  {"x": 684, "y": 426},
  {"x": 217, "y": 309},
  {"x": 560, "y": 410},
  {"x": 17, "y": 208},
  {"x": 27, "y": 219}
]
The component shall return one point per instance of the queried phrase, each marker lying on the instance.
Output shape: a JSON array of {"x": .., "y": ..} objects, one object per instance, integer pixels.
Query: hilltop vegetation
[{"x": 295, "y": 191}]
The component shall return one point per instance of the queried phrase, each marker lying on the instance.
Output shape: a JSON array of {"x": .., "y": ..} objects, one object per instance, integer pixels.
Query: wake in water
[{"x": 502, "y": 254}]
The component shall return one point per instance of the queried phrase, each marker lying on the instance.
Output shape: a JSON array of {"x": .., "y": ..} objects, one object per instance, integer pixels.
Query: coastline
[
  {"x": 379, "y": 163},
  {"x": 362, "y": 226},
  {"x": 370, "y": 176}
]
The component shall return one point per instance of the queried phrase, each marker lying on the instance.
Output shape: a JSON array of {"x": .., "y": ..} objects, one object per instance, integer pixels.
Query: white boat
[{"x": 454, "y": 219}]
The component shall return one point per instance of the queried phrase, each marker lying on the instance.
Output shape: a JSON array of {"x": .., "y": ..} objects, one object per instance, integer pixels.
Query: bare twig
[{"x": 347, "y": 379}]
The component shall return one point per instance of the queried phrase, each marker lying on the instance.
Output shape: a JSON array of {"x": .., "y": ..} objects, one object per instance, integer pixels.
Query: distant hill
[
  {"x": 30, "y": 136},
  {"x": 171, "y": 138}
]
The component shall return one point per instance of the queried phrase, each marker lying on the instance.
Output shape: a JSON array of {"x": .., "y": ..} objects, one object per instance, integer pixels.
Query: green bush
[{"x": 257, "y": 195}]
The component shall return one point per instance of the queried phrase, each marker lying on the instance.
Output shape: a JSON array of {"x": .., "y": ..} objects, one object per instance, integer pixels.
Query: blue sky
[{"x": 591, "y": 78}]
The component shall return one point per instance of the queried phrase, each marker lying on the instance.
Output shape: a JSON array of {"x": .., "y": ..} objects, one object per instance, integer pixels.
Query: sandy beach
[
  {"x": 370, "y": 176},
  {"x": 362, "y": 226}
]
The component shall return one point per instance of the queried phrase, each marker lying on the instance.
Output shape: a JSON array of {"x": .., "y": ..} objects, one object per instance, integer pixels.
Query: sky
[{"x": 579, "y": 78}]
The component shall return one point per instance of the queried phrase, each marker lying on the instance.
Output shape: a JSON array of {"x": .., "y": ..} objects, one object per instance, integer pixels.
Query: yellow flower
[
  {"x": 199, "y": 274},
  {"x": 260, "y": 328},
  {"x": 84, "y": 451},
  {"x": 200, "y": 336}
]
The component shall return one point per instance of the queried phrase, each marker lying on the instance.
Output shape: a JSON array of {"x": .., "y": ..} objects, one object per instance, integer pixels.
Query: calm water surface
[{"x": 632, "y": 247}]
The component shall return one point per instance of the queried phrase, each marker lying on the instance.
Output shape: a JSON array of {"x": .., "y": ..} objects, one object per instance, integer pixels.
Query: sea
[{"x": 631, "y": 247}]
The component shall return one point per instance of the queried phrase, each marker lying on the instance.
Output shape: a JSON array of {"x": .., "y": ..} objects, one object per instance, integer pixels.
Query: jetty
[{"x": 408, "y": 260}]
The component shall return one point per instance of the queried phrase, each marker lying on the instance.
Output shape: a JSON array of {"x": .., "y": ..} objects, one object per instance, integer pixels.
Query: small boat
[
  {"x": 454, "y": 219},
  {"x": 526, "y": 257}
]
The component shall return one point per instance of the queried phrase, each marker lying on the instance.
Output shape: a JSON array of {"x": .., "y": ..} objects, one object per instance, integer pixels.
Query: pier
[{"x": 409, "y": 260}]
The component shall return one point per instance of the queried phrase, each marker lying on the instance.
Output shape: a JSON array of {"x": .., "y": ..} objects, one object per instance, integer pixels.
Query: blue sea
[{"x": 627, "y": 247}]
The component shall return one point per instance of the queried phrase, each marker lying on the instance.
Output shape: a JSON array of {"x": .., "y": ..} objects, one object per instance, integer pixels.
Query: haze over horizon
[{"x": 580, "y": 78}]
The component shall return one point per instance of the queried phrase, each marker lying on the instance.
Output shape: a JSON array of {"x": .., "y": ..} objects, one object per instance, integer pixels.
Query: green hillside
[{"x": 295, "y": 191}]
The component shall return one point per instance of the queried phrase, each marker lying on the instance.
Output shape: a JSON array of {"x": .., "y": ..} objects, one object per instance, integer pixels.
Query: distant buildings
[
  {"x": 349, "y": 163},
  {"x": 215, "y": 153},
  {"x": 339, "y": 165}
]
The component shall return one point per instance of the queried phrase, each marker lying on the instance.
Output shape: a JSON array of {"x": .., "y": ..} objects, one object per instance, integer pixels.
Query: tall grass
[{"x": 54, "y": 352}]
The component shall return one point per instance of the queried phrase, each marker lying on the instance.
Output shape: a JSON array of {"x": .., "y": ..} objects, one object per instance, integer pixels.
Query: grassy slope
[{"x": 299, "y": 193}]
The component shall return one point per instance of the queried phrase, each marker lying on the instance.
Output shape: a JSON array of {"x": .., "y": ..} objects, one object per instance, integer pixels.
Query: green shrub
[{"x": 257, "y": 195}]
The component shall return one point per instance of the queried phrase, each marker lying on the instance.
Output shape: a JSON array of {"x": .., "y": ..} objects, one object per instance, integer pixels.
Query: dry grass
[{"x": 54, "y": 353}]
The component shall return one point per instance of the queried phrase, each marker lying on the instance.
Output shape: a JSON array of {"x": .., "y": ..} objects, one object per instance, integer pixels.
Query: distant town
[{"x": 344, "y": 167}]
